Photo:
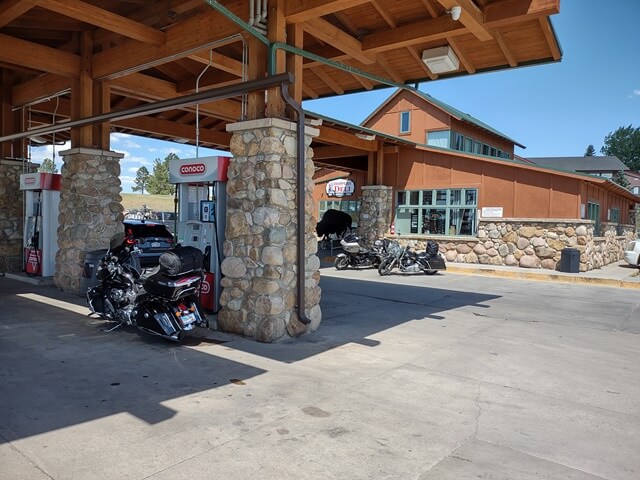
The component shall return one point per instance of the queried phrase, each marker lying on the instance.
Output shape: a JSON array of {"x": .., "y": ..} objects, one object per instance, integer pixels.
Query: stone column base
[
  {"x": 90, "y": 210},
  {"x": 260, "y": 269}
]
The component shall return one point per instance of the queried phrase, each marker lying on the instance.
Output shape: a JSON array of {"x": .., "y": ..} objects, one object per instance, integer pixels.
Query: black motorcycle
[
  {"x": 355, "y": 255},
  {"x": 408, "y": 261},
  {"x": 165, "y": 303}
]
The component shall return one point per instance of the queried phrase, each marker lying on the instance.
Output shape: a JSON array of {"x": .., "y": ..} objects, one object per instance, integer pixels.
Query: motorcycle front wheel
[
  {"x": 341, "y": 263},
  {"x": 430, "y": 272},
  {"x": 385, "y": 267}
]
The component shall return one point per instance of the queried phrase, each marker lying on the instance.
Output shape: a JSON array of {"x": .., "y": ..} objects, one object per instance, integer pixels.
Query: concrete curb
[{"x": 545, "y": 277}]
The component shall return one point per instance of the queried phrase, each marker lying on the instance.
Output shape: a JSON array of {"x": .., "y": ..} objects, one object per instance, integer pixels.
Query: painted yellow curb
[{"x": 545, "y": 277}]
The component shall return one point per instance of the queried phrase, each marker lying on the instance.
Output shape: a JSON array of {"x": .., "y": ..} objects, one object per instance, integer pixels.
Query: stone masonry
[
  {"x": 375, "y": 212},
  {"x": 11, "y": 214},
  {"x": 260, "y": 282},
  {"x": 535, "y": 243},
  {"x": 90, "y": 210}
]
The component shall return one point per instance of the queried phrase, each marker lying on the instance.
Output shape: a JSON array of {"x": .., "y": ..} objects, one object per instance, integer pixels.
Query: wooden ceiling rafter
[
  {"x": 12, "y": 9},
  {"x": 99, "y": 17}
]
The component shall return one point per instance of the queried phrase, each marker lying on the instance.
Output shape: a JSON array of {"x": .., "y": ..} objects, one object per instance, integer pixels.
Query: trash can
[
  {"x": 569, "y": 260},
  {"x": 89, "y": 270}
]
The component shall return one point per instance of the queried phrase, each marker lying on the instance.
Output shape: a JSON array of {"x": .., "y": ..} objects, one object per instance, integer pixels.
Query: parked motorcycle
[
  {"x": 164, "y": 303},
  {"x": 408, "y": 261},
  {"x": 355, "y": 255}
]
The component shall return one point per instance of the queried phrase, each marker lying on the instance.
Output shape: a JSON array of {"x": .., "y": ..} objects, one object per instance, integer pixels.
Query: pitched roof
[
  {"x": 454, "y": 112},
  {"x": 581, "y": 164}
]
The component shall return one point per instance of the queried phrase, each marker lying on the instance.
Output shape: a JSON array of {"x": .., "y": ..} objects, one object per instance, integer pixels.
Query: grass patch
[{"x": 155, "y": 203}]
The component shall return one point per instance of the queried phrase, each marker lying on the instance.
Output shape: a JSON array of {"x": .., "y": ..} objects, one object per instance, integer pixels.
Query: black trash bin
[{"x": 569, "y": 260}]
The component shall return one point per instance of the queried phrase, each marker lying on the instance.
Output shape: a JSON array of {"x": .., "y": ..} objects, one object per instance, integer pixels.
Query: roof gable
[{"x": 448, "y": 109}]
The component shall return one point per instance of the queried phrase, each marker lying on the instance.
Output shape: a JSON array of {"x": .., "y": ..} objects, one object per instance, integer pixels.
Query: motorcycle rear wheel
[
  {"x": 430, "y": 272},
  {"x": 341, "y": 263},
  {"x": 385, "y": 268}
]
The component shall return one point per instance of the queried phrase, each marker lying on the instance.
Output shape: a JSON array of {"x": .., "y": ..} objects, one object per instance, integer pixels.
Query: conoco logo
[
  {"x": 30, "y": 180},
  {"x": 192, "y": 169}
]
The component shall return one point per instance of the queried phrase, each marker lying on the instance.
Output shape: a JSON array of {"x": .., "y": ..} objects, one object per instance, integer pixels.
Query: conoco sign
[
  {"x": 340, "y": 188},
  {"x": 192, "y": 169}
]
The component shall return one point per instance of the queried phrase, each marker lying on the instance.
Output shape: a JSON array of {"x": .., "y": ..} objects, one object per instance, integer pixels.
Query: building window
[
  {"x": 352, "y": 207},
  {"x": 405, "y": 122},
  {"x": 439, "y": 138},
  {"x": 614, "y": 215},
  {"x": 468, "y": 144},
  {"x": 437, "y": 212}
]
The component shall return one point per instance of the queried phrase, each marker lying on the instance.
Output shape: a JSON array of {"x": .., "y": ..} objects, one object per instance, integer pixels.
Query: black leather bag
[{"x": 181, "y": 260}]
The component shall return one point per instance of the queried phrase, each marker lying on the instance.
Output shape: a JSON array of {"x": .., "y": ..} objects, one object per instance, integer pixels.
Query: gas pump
[
  {"x": 42, "y": 201},
  {"x": 202, "y": 198}
]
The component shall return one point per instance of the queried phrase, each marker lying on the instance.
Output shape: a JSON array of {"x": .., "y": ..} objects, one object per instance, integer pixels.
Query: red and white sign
[
  {"x": 198, "y": 170},
  {"x": 40, "y": 181},
  {"x": 341, "y": 187},
  {"x": 193, "y": 169}
]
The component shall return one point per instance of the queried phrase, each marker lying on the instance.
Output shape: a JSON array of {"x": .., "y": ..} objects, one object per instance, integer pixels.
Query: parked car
[
  {"x": 632, "y": 253},
  {"x": 153, "y": 240},
  {"x": 166, "y": 218}
]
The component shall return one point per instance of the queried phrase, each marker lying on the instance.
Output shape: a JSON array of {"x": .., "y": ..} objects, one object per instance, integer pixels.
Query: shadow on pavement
[{"x": 59, "y": 368}]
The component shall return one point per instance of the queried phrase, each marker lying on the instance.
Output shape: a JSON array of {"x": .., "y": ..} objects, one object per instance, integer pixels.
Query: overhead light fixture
[
  {"x": 40, "y": 140},
  {"x": 455, "y": 12},
  {"x": 441, "y": 59},
  {"x": 181, "y": 140}
]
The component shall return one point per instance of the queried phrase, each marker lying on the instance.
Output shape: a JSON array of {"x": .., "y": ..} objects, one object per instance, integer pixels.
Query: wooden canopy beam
[
  {"x": 303, "y": 10},
  {"x": 505, "y": 12},
  {"x": 471, "y": 17},
  {"x": 99, "y": 17},
  {"x": 180, "y": 42},
  {"x": 40, "y": 88},
  {"x": 328, "y": 33},
  {"x": 175, "y": 130},
  {"x": 38, "y": 57},
  {"x": 340, "y": 137},
  {"x": 12, "y": 9}
]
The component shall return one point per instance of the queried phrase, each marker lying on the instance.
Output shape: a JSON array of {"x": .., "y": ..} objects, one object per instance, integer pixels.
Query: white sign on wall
[
  {"x": 340, "y": 188},
  {"x": 492, "y": 212}
]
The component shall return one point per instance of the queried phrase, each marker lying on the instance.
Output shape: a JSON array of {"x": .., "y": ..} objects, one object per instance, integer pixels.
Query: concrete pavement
[{"x": 453, "y": 376}]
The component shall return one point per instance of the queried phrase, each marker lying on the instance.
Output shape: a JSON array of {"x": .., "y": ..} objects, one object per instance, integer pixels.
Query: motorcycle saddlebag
[
  {"x": 172, "y": 287},
  {"x": 436, "y": 262},
  {"x": 350, "y": 243},
  {"x": 181, "y": 260}
]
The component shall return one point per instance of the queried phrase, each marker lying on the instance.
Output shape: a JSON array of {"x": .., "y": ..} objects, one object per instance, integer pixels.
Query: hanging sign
[{"x": 340, "y": 188}]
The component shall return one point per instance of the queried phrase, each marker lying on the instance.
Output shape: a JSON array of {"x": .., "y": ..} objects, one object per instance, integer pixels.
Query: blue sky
[{"x": 556, "y": 109}]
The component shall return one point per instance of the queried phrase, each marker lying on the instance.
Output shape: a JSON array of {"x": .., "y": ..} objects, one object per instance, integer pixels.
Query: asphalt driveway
[{"x": 443, "y": 377}]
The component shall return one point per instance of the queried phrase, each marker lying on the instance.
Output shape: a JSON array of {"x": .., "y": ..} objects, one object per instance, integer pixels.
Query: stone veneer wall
[
  {"x": 260, "y": 282},
  {"x": 375, "y": 212},
  {"x": 11, "y": 214},
  {"x": 90, "y": 210},
  {"x": 534, "y": 243}
]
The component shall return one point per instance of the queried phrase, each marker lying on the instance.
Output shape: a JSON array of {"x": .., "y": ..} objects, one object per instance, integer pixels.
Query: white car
[{"x": 632, "y": 253}]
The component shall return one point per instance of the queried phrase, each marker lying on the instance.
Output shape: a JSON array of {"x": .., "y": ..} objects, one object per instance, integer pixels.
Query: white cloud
[
  {"x": 38, "y": 154},
  {"x": 636, "y": 93}
]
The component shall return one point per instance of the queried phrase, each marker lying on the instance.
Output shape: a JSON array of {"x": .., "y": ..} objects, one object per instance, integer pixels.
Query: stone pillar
[
  {"x": 90, "y": 210},
  {"x": 11, "y": 214},
  {"x": 260, "y": 269},
  {"x": 375, "y": 212}
]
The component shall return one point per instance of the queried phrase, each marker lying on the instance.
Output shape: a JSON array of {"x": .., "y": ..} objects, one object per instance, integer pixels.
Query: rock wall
[
  {"x": 260, "y": 266},
  {"x": 90, "y": 210},
  {"x": 535, "y": 243},
  {"x": 11, "y": 214}
]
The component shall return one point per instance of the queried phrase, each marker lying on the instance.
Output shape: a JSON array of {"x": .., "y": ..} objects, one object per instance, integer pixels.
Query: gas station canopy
[{"x": 66, "y": 59}]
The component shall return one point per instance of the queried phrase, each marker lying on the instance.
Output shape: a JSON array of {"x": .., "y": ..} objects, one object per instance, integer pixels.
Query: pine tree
[
  {"x": 141, "y": 180},
  {"x": 48, "y": 166},
  {"x": 158, "y": 183},
  {"x": 590, "y": 151}
]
